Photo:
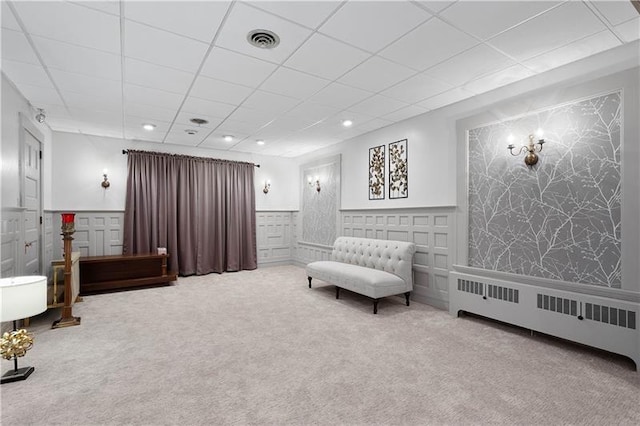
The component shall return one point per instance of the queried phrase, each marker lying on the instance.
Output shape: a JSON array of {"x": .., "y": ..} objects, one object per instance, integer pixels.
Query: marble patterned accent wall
[
  {"x": 320, "y": 209},
  {"x": 561, "y": 219},
  {"x": 431, "y": 229}
]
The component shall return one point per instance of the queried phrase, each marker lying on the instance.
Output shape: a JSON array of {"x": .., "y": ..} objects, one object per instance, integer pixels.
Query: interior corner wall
[{"x": 79, "y": 161}]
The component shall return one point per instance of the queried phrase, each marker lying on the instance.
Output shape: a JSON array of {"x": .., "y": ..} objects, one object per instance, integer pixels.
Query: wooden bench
[{"x": 117, "y": 272}]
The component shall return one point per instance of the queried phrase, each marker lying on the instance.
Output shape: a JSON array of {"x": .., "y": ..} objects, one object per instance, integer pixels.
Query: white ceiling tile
[
  {"x": 396, "y": 18},
  {"x": 270, "y": 102},
  {"x": 630, "y": 30},
  {"x": 244, "y": 18},
  {"x": 180, "y": 137},
  {"x": 435, "y": 40},
  {"x": 80, "y": 83},
  {"x": 470, "y": 64},
  {"x": 197, "y": 19},
  {"x": 134, "y": 124},
  {"x": 417, "y": 88},
  {"x": 498, "y": 79},
  {"x": 149, "y": 113},
  {"x": 108, "y": 6},
  {"x": 82, "y": 101},
  {"x": 436, "y": 5},
  {"x": 81, "y": 60},
  {"x": 142, "y": 135},
  {"x": 307, "y": 13},
  {"x": 8, "y": 20},
  {"x": 446, "y": 98},
  {"x": 293, "y": 83},
  {"x": 236, "y": 127},
  {"x": 188, "y": 133},
  {"x": 573, "y": 51},
  {"x": 206, "y": 109},
  {"x": 311, "y": 112},
  {"x": 38, "y": 95},
  {"x": 376, "y": 74},
  {"x": 339, "y": 96},
  {"x": 236, "y": 68},
  {"x": 216, "y": 140},
  {"x": 325, "y": 57},
  {"x": 256, "y": 117},
  {"x": 167, "y": 49},
  {"x": 71, "y": 23},
  {"x": 16, "y": 47},
  {"x": 184, "y": 119},
  {"x": 221, "y": 91},
  {"x": 155, "y": 76},
  {"x": 148, "y": 96},
  {"x": 404, "y": 113},
  {"x": 548, "y": 31},
  {"x": 488, "y": 18},
  {"x": 97, "y": 116},
  {"x": 616, "y": 12},
  {"x": 377, "y": 105},
  {"x": 20, "y": 72}
]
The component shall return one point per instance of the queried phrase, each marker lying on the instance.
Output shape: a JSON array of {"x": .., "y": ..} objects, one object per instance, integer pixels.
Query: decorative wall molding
[
  {"x": 275, "y": 236},
  {"x": 431, "y": 229},
  {"x": 10, "y": 238},
  {"x": 98, "y": 233}
]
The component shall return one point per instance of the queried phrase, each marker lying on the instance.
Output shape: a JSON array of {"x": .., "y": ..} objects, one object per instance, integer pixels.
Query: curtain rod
[{"x": 126, "y": 151}]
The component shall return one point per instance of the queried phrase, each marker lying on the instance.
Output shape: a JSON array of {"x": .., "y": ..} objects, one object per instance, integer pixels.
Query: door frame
[{"x": 26, "y": 125}]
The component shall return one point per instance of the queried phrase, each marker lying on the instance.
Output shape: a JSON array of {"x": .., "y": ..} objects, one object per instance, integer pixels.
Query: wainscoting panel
[
  {"x": 48, "y": 241},
  {"x": 10, "y": 237},
  {"x": 431, "y": 229},
  {"x": 275, "y": 231},
  {"x": 97, "y": 233}
]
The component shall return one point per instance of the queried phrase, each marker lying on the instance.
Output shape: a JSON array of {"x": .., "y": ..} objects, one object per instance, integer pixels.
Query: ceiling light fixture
[
  {"x": 347, "y": 123},
  {"x": 228, "y": 138},
  {"x": 191, "y": 131},
  {"x": 264, "y": 39},
  {"x": 260, "y": 142},
  {"x": 40, "y": 117},
  {"x": 148, "y": 127}
]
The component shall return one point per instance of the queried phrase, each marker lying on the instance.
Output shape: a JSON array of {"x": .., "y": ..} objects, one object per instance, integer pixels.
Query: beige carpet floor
[{"x": 259, "y": 347}]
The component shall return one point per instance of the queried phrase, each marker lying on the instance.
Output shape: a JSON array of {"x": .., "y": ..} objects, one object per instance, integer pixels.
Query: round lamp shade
[{"x": 22, "y": 297}]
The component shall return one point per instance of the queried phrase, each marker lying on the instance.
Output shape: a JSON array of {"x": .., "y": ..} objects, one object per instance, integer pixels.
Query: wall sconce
[
  {"x": 531, "y": 159},
  {"x": 267, "y": 186},
  {"x": 316, "y": 184},
  {"x": 40, "y": 117},
  {"x": 105, "y": 183}
]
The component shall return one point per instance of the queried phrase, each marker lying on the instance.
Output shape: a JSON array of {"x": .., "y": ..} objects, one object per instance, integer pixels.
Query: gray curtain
[{"x": 201, "y": 209}]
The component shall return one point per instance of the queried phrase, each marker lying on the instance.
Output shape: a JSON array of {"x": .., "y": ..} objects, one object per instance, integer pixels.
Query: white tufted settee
[{"x": 374, "y": 268}]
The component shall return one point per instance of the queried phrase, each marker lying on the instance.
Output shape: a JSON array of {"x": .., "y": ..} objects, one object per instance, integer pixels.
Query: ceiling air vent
[{"x": 264, "y": 39}]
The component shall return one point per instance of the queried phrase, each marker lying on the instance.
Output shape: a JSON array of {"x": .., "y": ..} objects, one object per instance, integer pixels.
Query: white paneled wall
[
  {"x": 97, "y": 233},
  {"x": 275, "y": 232},
  {"x": 10, "y": 237},
  {"x": 431, "y": 229}
]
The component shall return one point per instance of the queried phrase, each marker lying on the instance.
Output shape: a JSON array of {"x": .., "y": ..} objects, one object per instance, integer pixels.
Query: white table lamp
[{"x": 20, "y": 297}]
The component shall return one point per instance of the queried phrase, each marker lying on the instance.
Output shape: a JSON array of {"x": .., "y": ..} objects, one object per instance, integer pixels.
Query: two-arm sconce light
[
  {"x": 531, "y": 158},
  {"x": 267, "y": 186},
  {"x": 105, "y": 183},
  {"x": 316, "y": 183}
]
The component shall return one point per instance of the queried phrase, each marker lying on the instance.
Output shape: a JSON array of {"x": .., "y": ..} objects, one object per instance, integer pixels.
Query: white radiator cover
[{"x": 601, "y": 322}]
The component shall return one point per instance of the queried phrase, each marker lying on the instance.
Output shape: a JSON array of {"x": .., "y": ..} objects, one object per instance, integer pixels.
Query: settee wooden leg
[
  {"x": 375, "y": 306},
  {"x": 337, "y": 292},
  {"x": 406, "y": 296},
  {"x": 309, "y": 278}
]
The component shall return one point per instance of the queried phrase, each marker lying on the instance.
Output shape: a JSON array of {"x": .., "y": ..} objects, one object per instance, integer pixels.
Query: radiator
[{"x": 600, "y": 322}]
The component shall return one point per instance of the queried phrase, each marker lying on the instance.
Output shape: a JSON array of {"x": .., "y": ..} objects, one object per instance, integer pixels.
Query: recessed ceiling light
[
  {"x": 191, "y": 131},
  {"x": 148, "y": 126},
  {"x": 260, "y": 142},
  {"x": 228, "y": 138},
  {"x": 198, "y": 121},
  {"x": 347, "y": 123}
]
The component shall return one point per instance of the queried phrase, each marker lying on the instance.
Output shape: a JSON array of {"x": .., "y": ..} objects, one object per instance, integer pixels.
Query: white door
[{"x": 32, "y": 213}]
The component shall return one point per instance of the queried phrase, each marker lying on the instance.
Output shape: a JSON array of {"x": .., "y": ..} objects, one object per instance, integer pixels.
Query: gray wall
[{"x": 560, "y": 219}]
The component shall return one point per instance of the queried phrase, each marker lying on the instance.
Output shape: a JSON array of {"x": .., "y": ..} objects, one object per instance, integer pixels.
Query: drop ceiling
[{"x": 107, "y": 67}]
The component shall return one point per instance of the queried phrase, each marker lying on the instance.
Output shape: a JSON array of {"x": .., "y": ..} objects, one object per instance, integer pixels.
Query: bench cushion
[{"x": 370, "y": 282}]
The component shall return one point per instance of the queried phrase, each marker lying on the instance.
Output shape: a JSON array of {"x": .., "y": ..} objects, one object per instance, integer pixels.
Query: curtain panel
[{"x": 201, "y": 209}]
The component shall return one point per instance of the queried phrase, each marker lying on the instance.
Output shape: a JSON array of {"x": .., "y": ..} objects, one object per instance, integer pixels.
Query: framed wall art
[
  {"x": 376, "y": 173},
  {"x": 398, "y": 172}
]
